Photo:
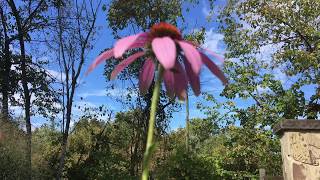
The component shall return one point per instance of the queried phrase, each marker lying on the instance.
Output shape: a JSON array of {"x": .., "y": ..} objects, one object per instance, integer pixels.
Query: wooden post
[{"x": 262, "y": 174}]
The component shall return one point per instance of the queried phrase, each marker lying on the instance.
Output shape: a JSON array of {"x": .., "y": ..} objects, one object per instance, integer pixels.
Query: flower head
[
  {"x": 163, "y": 29},
  {"x": 168, "y": 48}
]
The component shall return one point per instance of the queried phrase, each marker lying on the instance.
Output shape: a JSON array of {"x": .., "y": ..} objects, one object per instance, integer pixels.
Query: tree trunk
[
  {"x": 5, "y": 91},
  {"x": 62, "y": 156},
  {"x": 6, "y": 70},
  {"x": 70, "y": 67},
  {"x": 27, "y": 107},
  {"x": 24, "y": 86},
  {"x": 65, "y": 138}
]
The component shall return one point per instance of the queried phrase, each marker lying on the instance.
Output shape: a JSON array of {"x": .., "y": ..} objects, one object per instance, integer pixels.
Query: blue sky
[{"x": 93, "y": 89}]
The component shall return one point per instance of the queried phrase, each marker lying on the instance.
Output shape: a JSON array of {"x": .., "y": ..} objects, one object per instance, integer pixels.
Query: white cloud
[
  {"x": 119, "y": 92},
  {"x": 14, "y": 67},
  {"x": 279, "y": 75},
  {"x": 95, "y": 93},
  {"x": 267, "y": 51},
  {"x": 266, "y": 55},
  {"x": 16, "y": 110},
  {"x": 57, "y": 75},
  {"x": 261, "y": 89},
  {"x": 116, "y": 92},
  {"x": 14, "y": 50},
  {"x": 214, "y": 41},
  {"x": 211, "y": 11},
  {"x": 205, "y": 10}
]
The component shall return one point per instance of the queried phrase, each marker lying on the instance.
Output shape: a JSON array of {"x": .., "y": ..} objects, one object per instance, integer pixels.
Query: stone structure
[{"x": 300, "y": 149}]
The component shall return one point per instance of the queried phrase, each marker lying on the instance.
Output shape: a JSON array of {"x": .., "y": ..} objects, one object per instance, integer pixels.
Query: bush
[{"x": 12, "y": 151}]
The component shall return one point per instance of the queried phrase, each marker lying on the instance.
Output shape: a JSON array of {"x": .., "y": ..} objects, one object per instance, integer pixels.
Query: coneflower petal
[
  {"x": 129, "y": 42},
  {"x": 165, "y": 50},
  {"x": 193, "y": 78},
  {"x": 207, "y": 50},
  {"x": 146, "y": 75},
  {"x": 125, "y": 63},
  {"x": 214, "y": 68},
  {"x": 213, "y": 54},
  {"x": 192, "y": 55},
  {"x": 180, "y": 82},
  {"x": 102, "y": 57},
  {"x": 168, "y": 78}
]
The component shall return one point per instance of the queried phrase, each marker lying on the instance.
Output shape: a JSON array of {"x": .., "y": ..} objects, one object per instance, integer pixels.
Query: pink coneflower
[{"x": 163, "y": 44}]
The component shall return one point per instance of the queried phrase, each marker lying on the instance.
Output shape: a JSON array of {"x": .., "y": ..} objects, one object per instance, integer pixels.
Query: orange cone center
[{"x": 164, "y": 29}]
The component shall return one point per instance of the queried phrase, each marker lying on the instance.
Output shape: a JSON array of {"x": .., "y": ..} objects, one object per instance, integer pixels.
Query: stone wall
[
  {"x": 300, "y": 149},
  {"x": 301, "y": 155}
]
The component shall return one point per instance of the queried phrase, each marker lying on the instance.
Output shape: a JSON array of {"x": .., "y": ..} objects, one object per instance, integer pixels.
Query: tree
[
  {"x": 90, "y": 155},
  {"x": 25, "y": 22},
  {"x": 6, "y": 61},
  {"x": 74, "y": 32},
  {"x": 251, "y": 26},
  {"x": 143, "y": 14},
  {"x": 101, "y": 148}
]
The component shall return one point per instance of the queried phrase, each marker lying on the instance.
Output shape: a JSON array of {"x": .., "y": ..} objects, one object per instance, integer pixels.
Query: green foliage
[
  {"x": 225, "y": 153},
  {"x": 202, "y": 129},
  {"x": 46, "y": 147},
  {"x": 251, "y": 27},
  {"x": 244, "y": 151},
  {"x": 250, "y": 80},
  {"x": 142, "y": 13},
  {"x": 13, "y": 162},
  {"x": 175, "y": 162},
  {"x": 196, "y": 36},
  {"x": 183, "y": 165},
  {"x": 90, "y": 155},
  {"x": 105, "y": 150},
  {"x": 12, "y": 149},
  {"x": 41, "y": 88},
  {"x": 113, "y": 149}
]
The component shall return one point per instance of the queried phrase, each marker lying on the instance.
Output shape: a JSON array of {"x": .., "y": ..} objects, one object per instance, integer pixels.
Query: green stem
[
  {"x": 187, "y": 123},
  {"x": 153, "y": 113}
]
